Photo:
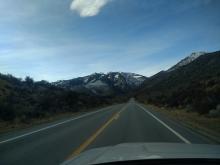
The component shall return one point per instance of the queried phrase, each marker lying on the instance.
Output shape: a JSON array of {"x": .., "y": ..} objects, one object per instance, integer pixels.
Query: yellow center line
[{"x": 85, "y": 144}]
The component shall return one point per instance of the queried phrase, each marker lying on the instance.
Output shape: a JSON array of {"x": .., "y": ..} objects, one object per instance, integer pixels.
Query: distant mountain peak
[
  {"x": 193, "y": 56},
  {"x": 103, "y": 84},
  {"x": 197, "y": 54}
]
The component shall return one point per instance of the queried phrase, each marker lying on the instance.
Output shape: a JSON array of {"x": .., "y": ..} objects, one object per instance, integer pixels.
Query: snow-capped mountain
[
  {"x": 103, "y": 84},
  {"x": 187, "y": 60}
]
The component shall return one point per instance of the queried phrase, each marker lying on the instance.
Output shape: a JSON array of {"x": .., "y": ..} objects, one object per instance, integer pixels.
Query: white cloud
[{"x": 88, "y": 8}]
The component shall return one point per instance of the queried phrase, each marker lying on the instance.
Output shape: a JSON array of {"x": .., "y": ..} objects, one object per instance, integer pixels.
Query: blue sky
[{"x": 63, "y": 39}]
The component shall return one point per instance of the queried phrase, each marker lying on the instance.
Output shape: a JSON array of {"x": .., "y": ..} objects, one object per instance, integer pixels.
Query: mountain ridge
[
  {"x": 193, "y": 56},
  {"x": 103, "y": 84}
]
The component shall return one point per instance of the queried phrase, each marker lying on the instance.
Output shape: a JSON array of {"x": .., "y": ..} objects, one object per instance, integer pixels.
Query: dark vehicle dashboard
[{"x": 188, "y": 161}]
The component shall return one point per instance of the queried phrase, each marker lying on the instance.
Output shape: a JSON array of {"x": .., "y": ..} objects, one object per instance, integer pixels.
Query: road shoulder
[{"x": 202, "y": 125}]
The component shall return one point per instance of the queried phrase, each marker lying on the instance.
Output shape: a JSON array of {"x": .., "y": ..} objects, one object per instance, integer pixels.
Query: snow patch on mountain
[
  {"x": 97, "y": 83},
  {"x": 86, "y": 80},
  {"x": 187, "y": 60}
]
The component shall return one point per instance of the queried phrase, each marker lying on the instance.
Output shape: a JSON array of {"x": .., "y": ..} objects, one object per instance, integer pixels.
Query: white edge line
[
  {"x": 50, "y": 126},
  {"x": 164, "y": 124}
]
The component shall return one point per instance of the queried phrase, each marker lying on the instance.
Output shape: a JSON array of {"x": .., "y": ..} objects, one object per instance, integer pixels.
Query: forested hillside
[
  {"x": 25, "y": 99},
  {"x": 195, "y": 86}
]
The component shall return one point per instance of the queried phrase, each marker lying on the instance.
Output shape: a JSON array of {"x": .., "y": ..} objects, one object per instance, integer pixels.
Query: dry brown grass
[
  {"x": 16, "y": 124},
  {"x": 206, "y": 125}
]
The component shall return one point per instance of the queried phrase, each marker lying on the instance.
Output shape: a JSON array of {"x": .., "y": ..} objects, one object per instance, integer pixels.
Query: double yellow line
[{"x": 85, "y": 144}]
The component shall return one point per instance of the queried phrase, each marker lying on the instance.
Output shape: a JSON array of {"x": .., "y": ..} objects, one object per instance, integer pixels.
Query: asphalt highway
[{"x": 56, "y": 142}]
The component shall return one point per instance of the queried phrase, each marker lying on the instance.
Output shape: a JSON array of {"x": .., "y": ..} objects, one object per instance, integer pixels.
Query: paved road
[{"x": 54, "y": 143}]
